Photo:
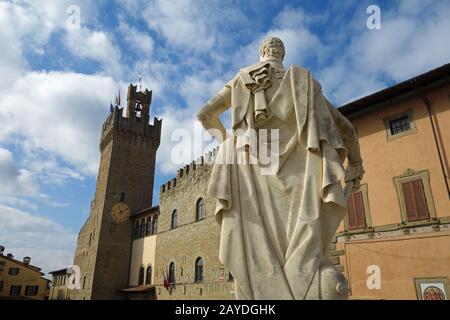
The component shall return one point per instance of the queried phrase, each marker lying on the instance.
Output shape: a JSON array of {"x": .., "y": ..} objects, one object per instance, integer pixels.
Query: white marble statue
[{"x": 276, "y": 228}]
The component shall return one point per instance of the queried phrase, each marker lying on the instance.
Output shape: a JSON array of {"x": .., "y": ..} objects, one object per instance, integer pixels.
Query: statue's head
[{"x": 272, "y": 48}]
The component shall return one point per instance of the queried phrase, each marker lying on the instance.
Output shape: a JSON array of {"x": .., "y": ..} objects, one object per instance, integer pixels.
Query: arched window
[
  {"x": 200, "y": 210},
  {"x": 142, "y": 229},
  {"x": 155, "y": 225},
  {"x": 141, "y": 276},
  {"x": 199, "y": 269},
  {"x": 149, "y": 227},
  {"x": 148, "y": 277},
  {"x": 172, "y": 273},
  {"x": 174, "y": 223}
]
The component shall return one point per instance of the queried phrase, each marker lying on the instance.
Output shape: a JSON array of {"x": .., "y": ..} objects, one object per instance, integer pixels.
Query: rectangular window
[
  {"x": 149, "y": 227},
  {"x": 2, "y": 265},
  {"x": 15, "y": 291},
  {"x": 356, "y": 211},
  {"x": 399, "y": 125},
  {"x": 13, "y": 271},
  {"x": 1, "y": 285},
  {"x": 122, "y": 197},
  {"x": 31, "y": 290},
  {"x": 142, "y": 229},
  {"x": 415, "y": 200},
  {"x": 84, "y": 282},
  {"x": 90, "y": 238}
]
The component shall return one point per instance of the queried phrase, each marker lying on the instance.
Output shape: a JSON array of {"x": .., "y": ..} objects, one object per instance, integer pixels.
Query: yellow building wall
[
  {"x": 384, "y": 160},
  {"x": 401, "y": 254},
  {"x": 26, "y": 277},
  {"x": 401, "y": 260},
  {"x": 143, "y": 255}
]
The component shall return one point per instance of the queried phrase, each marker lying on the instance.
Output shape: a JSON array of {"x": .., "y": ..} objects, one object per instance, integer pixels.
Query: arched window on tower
[
  {"x": 172, "y": 273},
  {"x": 199, "y": 270},
  {"x": 148, "y": 277},
  {"x": 141, "y": 276},
  {"x": 174, "y": 222},
  {"x": 200, "y": 210}
]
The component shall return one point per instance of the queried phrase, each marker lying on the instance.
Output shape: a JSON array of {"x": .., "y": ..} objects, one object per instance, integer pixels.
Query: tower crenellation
[{"x": 185, "y": 172}]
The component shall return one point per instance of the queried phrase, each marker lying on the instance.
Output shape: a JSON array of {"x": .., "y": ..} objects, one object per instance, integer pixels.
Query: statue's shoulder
[
  {"x": 243, "y": 77},
  {"x": 296, "y": 69},
  {"x": 303, "y": 72}
]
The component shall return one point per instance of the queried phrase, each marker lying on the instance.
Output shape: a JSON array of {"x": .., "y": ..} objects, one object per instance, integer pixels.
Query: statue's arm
[
  {"x": 209, "y": 115},
  {"x": 355, "y": 170}
]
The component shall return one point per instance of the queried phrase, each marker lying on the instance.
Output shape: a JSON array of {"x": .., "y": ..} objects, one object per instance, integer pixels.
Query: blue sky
[{"x": 57, "y": 83}]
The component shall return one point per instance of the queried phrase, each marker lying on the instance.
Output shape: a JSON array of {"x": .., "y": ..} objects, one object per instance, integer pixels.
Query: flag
[{"x": 166, "y": 281}]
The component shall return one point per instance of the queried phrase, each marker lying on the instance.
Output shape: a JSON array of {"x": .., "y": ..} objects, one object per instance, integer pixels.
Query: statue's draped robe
[{"x": 276, "y": 229}]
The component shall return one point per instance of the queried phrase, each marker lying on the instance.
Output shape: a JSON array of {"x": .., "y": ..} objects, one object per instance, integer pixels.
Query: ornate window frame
[
  {"x": 387, "y": 125},
  {"x": 365, "y": 194},
  {"x": 408, "y": 175}
]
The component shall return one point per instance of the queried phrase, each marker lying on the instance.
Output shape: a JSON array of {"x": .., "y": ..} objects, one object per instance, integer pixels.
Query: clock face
[{"x": 120, "y": 212}]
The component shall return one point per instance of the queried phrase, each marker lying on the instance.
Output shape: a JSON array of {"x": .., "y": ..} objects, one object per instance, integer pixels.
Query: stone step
[
  {"x": 334, "y": 253},
  {"x": 332, "y": 246}
]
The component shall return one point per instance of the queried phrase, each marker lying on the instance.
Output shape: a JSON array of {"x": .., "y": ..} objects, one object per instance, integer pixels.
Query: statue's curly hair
[{"x": 265, "y": 49}]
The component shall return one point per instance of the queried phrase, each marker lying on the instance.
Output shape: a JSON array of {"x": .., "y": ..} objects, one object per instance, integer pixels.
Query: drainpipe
[{"x": 427, "y": 103}]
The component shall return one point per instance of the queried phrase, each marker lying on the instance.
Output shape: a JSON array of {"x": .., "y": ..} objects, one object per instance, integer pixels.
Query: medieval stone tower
[{"x": 128, "y": 151}]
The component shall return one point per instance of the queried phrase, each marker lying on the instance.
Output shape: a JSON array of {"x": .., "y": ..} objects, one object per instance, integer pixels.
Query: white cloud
[
  {"x": 197, "y": 90},
  {"x": 18, "y": 182},
  {"x": 182, "y": 23},
  {"x": 59, "y": 113},
  {"x": 97, "y": 46},
  {"x": 139, "y": 41},
  {"x": 19, "y": 29},
  {"x": 412, "y": 40},
  {"x": 50, "y": 245}
]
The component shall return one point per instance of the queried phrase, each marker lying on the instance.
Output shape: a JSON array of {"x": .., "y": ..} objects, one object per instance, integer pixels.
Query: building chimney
[
  {"x": 2, "y": 249},
  {"x": 26, "y": 260},
  {"x": 10, "y": 255}
]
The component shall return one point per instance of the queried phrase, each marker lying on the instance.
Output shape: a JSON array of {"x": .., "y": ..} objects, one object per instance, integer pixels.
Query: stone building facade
[{"x": 188, "y": 238}]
